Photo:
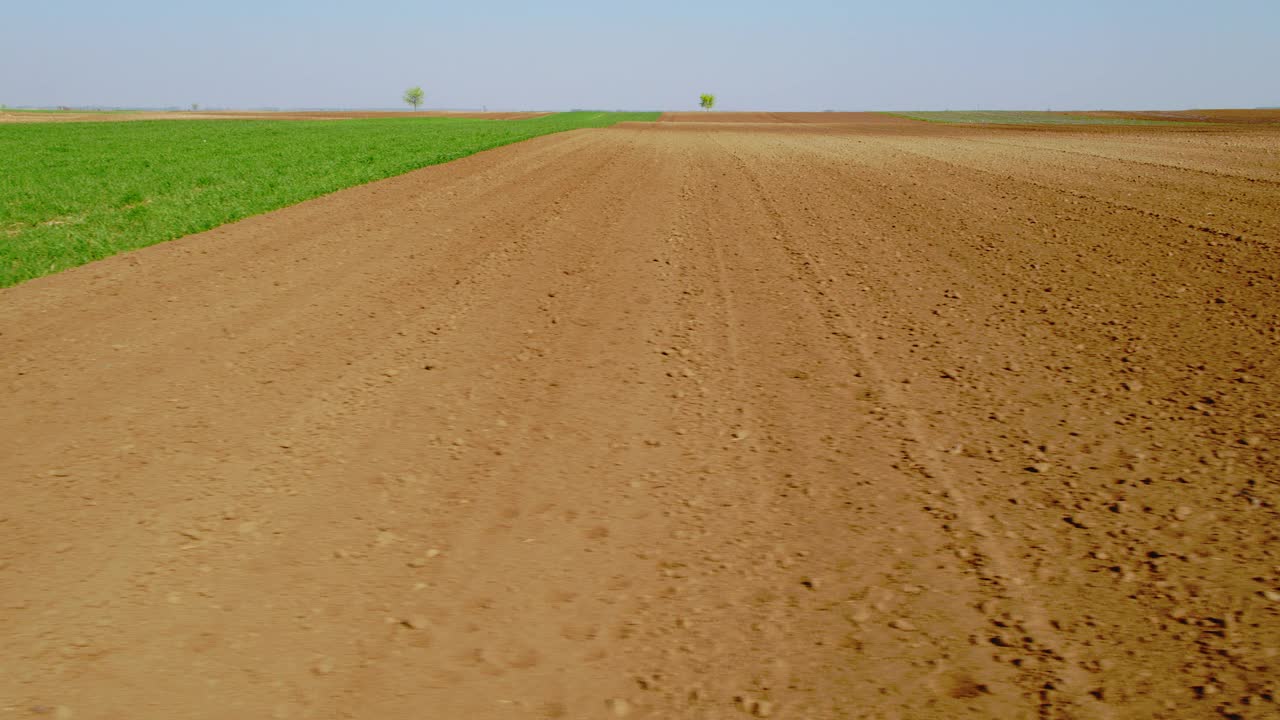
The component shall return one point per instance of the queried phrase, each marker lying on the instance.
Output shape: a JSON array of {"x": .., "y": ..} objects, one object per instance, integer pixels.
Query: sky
[{"x": 644, "y": 54}]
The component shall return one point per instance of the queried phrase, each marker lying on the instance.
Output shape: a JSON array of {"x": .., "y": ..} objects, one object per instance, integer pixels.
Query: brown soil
[
  {"x": 30, "y": 117},
  {"x": 668, "y": 422},
  {"x": 1246, "y": 117},
  {"x": 863, "y": 120}
]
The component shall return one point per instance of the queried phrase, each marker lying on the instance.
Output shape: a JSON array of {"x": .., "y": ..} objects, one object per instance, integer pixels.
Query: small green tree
[
  {"x": 414, "y": 96},
  {"x": 707, "y": 100}
]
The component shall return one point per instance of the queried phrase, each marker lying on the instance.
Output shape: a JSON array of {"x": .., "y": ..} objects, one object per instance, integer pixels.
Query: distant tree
[
  {"x": 707, "y": 100},
  {"x": 414, "y": 96},
  {"x": 195, "y": 107}
]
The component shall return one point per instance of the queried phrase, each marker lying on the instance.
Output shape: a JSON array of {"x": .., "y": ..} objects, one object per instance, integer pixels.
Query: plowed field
[
  {"x": 858, "y": 419},
  {"x": 1256, "y": 116}
]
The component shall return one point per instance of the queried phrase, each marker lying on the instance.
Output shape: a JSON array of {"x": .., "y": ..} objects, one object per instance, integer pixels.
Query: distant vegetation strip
[
  {"x": 58, "y": 111},
  {"x": 71, "y": 193},
  {"x": 1020, "y": 117}
]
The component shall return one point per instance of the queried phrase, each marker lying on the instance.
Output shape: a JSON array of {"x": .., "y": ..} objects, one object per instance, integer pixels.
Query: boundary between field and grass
[
  {"x": 75, "y": 192},
  {"x": 1021, "y": 117}
]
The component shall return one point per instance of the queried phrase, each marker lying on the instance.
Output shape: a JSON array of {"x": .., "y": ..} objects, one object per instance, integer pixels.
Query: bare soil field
[
  {"x": 1247, "y": 117},
  {"x": 885, "y": 121},
  {"x": 72, "y": 116},
  {"x": 861, "y": 119},
  {"x": 687, "y": 420}
]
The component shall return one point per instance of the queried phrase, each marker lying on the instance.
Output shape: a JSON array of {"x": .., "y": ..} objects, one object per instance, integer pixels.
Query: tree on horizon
[{"x": 414, "y": 96}]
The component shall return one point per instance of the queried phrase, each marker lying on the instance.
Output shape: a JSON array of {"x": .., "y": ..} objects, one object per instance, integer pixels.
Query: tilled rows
[{"x": 774, "y": 415}]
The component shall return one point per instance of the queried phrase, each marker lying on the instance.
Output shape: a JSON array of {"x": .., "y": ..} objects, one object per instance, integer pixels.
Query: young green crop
[{"x": 71, "y": 193}]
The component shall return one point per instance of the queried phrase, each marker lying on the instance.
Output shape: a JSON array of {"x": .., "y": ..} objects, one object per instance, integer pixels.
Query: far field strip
[
  {"x": 72, "y": 193},
  {"x": 1019, "y": 117},
  {"x": 26, "y": 115}
]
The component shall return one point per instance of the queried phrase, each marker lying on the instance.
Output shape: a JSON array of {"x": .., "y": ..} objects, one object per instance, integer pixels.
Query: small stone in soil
[{"x": 416, "y": 622}]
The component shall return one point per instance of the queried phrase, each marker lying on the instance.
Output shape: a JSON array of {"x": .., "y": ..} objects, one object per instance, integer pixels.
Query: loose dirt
[
  {"x": 1236, "y": 116},
  {"x": 883, "y": 420},
  {"x": 862, "y": 120}
]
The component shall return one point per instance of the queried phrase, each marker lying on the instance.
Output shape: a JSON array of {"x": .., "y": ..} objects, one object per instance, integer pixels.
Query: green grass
[
  {"x": 71, "y": 193},
  {"x": 1021, "y": 117}
]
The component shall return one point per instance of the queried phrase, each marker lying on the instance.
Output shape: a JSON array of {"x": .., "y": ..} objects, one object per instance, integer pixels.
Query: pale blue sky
[{"x": 644, "y": 54}]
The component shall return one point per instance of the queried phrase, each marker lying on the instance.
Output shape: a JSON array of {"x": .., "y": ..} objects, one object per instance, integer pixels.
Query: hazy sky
[{"x": 644, "y": 54}]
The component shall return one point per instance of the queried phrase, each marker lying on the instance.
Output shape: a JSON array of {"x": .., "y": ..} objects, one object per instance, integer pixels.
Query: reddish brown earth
[
  {"x": 679, "y": 421},
  {"x": 862, "y": 120},
  {"x": 71, "y": 116},
  {"x": 1247, "y": 117}
]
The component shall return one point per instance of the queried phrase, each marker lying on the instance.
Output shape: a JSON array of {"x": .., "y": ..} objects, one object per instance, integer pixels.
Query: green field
[
  {"x": 71, "y": 193},
  {"x": 1023, "y": 117}
]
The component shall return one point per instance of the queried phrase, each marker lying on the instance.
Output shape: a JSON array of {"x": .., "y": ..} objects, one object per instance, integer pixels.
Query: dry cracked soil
[{"x": 725, "y": 416}]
